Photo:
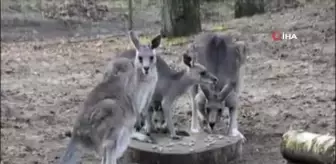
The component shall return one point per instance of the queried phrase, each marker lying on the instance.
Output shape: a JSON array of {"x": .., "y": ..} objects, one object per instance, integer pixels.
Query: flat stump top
[
  {"x": 194, "y": 149},
  {"x": 192, "y": 144}
]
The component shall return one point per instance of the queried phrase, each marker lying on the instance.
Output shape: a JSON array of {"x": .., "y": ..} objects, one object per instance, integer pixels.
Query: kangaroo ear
[
  {"x": 156, "y": 105},
  {"x": 134, "y": 39},
  {"x": 156, "y": 41},
  {"x": 192, "y": 50},
  {"x": 187, "y": 60},
  {"x": 227, "y": 89},
  {"x": 206, "y": 92},
  {"x": 241, "y": 51}
]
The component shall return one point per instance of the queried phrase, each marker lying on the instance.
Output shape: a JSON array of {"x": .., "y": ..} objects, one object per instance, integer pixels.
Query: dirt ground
[{"x": 289, "y": 83}]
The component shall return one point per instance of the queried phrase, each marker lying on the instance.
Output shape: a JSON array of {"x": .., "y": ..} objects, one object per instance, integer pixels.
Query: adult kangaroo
[
  {"x": 172, "y": 84},
  {"x": 225, "y": 59},
  {"x": 108, "y": 115}
]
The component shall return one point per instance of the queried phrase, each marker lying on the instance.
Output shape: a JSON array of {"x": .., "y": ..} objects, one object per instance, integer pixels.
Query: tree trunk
[
  {"x": 308, "y": 148},
  {"x": 130, "y": 14},
  {"x": 195, "y": 149},
  {"x": 249, "y": 7},
  {"x": 180, "y": 17}
]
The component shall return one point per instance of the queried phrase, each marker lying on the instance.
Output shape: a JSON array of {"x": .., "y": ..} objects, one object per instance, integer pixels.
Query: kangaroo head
[
  {"x": 145, "y": 58},
  {"x": 157, "y": 116},
  {"x": 213, "y": 112},
  {"x": 197, "y": 72},
  {"x": 241, "y": 50},
  {"x": 215, "y": 104}
]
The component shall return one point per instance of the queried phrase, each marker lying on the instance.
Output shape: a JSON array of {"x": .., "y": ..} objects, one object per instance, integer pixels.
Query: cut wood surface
[
  {"x": 195, "y": 149},
  {"x": 308, "y": 148}
]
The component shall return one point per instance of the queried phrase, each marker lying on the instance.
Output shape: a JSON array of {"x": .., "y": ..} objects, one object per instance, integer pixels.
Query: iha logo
[{"x": 276, "y": 35}]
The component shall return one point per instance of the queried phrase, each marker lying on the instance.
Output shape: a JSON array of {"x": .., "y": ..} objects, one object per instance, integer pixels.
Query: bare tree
[
  {"x": 249, "y": 7},
  {"x": 181, "y": 17},
  {"x": 130, "y": 14}
]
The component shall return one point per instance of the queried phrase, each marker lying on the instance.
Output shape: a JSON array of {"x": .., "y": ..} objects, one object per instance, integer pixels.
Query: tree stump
[
  {"x": 248, "y": 7},
  {"x": 195, "y": 149}
]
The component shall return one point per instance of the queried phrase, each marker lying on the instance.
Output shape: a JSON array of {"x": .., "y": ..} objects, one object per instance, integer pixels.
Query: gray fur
[
  {"x": 225, "y": 59},
  {"x": 107, "y": 117},
  {"x": 172, "y": 84}
]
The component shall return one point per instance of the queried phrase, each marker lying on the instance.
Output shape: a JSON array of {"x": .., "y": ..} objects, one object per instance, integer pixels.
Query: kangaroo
[
  {"x": 108, "y": 115},
  {"x": 157, "y": 119},
  {"x": 225, "y": 59},
  {"x": 172, "y": 84}
]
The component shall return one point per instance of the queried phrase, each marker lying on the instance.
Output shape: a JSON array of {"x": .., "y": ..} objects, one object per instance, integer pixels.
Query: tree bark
[
  {"x": 249, "y": 7},
  {"x": 180, "y": 17},
  {"x": 211, "y": 0},
  {"x": 130, "y": 14},
  {"x": 308, "y": 148},
  {"x": 194, "y": 150}
]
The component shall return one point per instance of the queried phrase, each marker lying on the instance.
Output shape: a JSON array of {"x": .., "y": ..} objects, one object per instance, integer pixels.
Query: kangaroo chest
[{"x": 144, "y": 93}]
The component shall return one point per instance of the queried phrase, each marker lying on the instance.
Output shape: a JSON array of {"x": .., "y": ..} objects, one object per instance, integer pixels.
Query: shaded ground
[{"x": 287, "y": 83}]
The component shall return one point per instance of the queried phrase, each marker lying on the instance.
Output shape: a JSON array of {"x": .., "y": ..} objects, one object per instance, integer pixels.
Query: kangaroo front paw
[
  {"x": 208, "y": 130},
  {"x": 237, "y": 133},
  {"x": 143, "y": 138},
  {"x": 175, "y": 137},
  {"x": 151, "y": 140},
  {"x": 195, "y": 130},
  {"x": 182, "y": 133}
]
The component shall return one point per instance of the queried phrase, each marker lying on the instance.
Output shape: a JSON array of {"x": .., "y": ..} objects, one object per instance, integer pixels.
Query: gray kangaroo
[
  {"x": 108, "y": 115},
  {"x": 172, "y": 84},
  {"x": 157, "y": 119},
  {"x": 225, "y": 60}
]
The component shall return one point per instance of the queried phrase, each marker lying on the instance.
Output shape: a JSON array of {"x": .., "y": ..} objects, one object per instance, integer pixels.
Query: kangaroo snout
[
  {"x": 212, "y": 125},
  {"x": 146, "y": 70}
]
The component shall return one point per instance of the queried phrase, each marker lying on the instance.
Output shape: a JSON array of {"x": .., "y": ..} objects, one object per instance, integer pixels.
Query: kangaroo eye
[
  {"x": 162, "y": 122},
  {"x": 202, "y": 73},
  {"x": 140, "y": 59},
  {"x": 156, "y": 121},
  {"x": 220, "y": 110},
  {"x": 151, "y": 58}
]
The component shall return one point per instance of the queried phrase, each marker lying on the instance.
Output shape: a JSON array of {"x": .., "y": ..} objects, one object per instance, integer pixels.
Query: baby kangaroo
[
  {"x": 172, "y": 84},
  {"x": 108, "y": 115},
  {"x": 225, "y": 60},
  {"x": 157, "y": 119}
]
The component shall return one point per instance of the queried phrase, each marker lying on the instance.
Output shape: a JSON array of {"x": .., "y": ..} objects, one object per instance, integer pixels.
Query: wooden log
[
  {"x": 308, "y": 148},
  {"x": 195, "y": 149}
]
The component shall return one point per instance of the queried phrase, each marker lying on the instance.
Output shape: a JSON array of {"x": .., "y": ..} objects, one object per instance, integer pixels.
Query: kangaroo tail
[
  {"x": 69, "y": 156},
  {"x": 216, "y": 50},
  {"x": 216, "y": 44}
]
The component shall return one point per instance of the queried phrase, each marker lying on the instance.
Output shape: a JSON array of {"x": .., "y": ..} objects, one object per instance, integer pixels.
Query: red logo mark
[{"x": 276, "y": 36}]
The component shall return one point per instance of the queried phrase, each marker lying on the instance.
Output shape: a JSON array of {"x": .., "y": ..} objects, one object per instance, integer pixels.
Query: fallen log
[
  {"x": 308, "y": 148},
  {"x": 194, "y": 149}
]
